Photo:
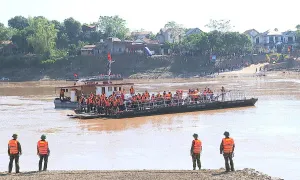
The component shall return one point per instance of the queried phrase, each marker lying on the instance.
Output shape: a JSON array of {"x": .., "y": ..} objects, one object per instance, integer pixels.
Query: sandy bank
[{"x": 244, "y": 174}]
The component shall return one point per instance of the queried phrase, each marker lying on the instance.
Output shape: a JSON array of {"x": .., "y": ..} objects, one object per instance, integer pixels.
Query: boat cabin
[{"x": 72, "y": 92}]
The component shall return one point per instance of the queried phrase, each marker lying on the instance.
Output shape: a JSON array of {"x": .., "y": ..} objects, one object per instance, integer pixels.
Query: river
[{"x": 266, "y": 136}]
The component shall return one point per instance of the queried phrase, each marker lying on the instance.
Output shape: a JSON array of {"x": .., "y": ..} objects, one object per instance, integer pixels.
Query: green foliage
[
  {"x": 73, "y": 29},
  {"x": 18, "y": 22},
  {"x": 43, "y": 39},
  {"x": 56, "y": 55},
  {"x": 219, "y": 25},
  {"x": 6, "y": 33},
  {"x": 113, "y": 26},
  {"x": 217, "y": 42}
]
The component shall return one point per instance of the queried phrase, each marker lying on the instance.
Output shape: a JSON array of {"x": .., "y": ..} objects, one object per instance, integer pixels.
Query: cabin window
[
  {"x": 115, "y": 88},
  {"x": 103, "y": 90},
  {"x": 109, "y": 89},
  {"x": 120, "y": 88},
  {"x": 66, "y": 90}
]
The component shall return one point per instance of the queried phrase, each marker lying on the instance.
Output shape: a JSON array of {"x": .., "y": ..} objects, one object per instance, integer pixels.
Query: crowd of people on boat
[{"x": 104, "y": 104}]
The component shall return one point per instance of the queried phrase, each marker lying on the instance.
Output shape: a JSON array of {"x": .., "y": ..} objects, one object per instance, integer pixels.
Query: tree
[
  {"x": 73, "y": 29},
  {"x": 298, "y": 27},
  {"x": 6, "y": 33},
  {"x": 20, "y": 39},
  {"x": 18, "y": 22},
  {"x": 176, "y": 30},
  {"x": 113, "y": 26},
  {"x": 62, "y": 36},
  {"x": 44, "y": 36},
  {"x": 219, "y": 25}
]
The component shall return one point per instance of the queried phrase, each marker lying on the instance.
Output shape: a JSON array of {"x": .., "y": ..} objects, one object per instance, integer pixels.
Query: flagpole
[
  {"x": 109, "y": 66},
  {"x": 109, "y": 70}
]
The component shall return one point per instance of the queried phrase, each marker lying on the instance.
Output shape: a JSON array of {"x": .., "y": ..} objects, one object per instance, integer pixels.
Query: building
[
  {"x": 253, "y": 35},
  {"x": 7, "y": 48},
  {"x": 169, "y": 35},
  {"x": 88, "y": 29},
  {"x": 116, "y": 46},
  {"x": 141, "y": 35},
  {"x": 271, "y": 40},
  {"x": 89, "y": 50},
  {"x": 138, "y": 46},
  {"x": 193, "y": 31}
]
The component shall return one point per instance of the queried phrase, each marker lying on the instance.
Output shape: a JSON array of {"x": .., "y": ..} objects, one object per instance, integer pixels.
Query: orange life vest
[
  {"x": 228, "y": 145},
  {"x": 134, "y": 99},
  {"x": 43, "y": 147},
  {"x": 197, "y": 146},
  {"x": 121, "y": 102},
  {"x": 13, "y": 147},
  {"x": 115, "y": 103},
  {"x": 107, "y": 103},
  {"x": 143, "y": 98}
]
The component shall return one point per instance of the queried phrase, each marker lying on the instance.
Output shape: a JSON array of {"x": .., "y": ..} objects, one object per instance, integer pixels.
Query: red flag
[
  {"x": 108, "y": 56},
  {"x": 75, "y": 75}
]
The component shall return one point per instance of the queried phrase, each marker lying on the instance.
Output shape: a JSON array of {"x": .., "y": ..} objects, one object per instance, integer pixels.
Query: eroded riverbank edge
[{"x": 206, "y": 174}]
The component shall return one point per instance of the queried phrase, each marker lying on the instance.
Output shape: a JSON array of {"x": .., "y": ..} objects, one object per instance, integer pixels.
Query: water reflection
[{"x": 150, "y": 122}]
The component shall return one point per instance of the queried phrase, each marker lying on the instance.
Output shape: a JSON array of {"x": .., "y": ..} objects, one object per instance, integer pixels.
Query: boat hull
[
  {"x": 187, "y": 108},
  {"x": 64, "y": 104},
  {"x": 173, "y": 109}
]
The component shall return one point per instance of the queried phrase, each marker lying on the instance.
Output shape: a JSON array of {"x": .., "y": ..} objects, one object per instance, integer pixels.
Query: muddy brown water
[{"x": 267, "y": 135}]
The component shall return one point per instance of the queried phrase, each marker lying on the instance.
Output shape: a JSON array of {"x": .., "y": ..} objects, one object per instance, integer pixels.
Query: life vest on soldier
[
  {"x": 143, "y": 98},
  {"x": 90, "y": 100},
  {"x": 147, "y": 95},
  {"x": 121, "y": 102},
  {"x": 107, "y": 103},
  {"x": 133, "y": 99},
  {"x": 152, "y": 98},
  {"x": 43, "y": 147},
  {"x": 13, "y": 146},
  {"x": 197, "y": 146},
  {"x": 115, "y": 103},
  {"x": 228, "y": 145}
]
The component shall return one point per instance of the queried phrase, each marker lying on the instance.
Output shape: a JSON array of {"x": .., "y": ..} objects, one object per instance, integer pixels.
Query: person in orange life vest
[
  {"x": 131, "y": 90},
  {"x": 61, "y": 94},
  {"x": 14, "y": 152},
  {"x": 196, "y": 150},
  {"x": 121, "y": 104},
  {"x": 152, "y": 98},
  {"x": 227, "y": 149},
  {"x": 43, "y": 152},
  {"x": 107, "y": 106},
  {"x": 122, "y": 96}
]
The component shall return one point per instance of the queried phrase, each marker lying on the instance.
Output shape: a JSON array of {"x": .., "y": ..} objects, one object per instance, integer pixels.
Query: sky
[{"x": 154, "y": 14}]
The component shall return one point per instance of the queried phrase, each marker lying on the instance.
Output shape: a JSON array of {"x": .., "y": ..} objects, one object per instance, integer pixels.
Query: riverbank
[
  {"x": 219, "y": 174},
  {"x": 29, "y": 68}
]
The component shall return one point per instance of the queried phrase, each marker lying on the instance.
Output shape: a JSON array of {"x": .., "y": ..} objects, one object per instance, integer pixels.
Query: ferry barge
[{"x": 231, "y": 99}]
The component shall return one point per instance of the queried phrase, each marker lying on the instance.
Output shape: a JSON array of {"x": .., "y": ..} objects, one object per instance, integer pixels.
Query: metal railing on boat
[{"x": 232, "y": 95}]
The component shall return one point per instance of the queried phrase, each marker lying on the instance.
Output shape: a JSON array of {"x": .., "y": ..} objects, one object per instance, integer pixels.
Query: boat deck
[{"x": 170, "y": 109}]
